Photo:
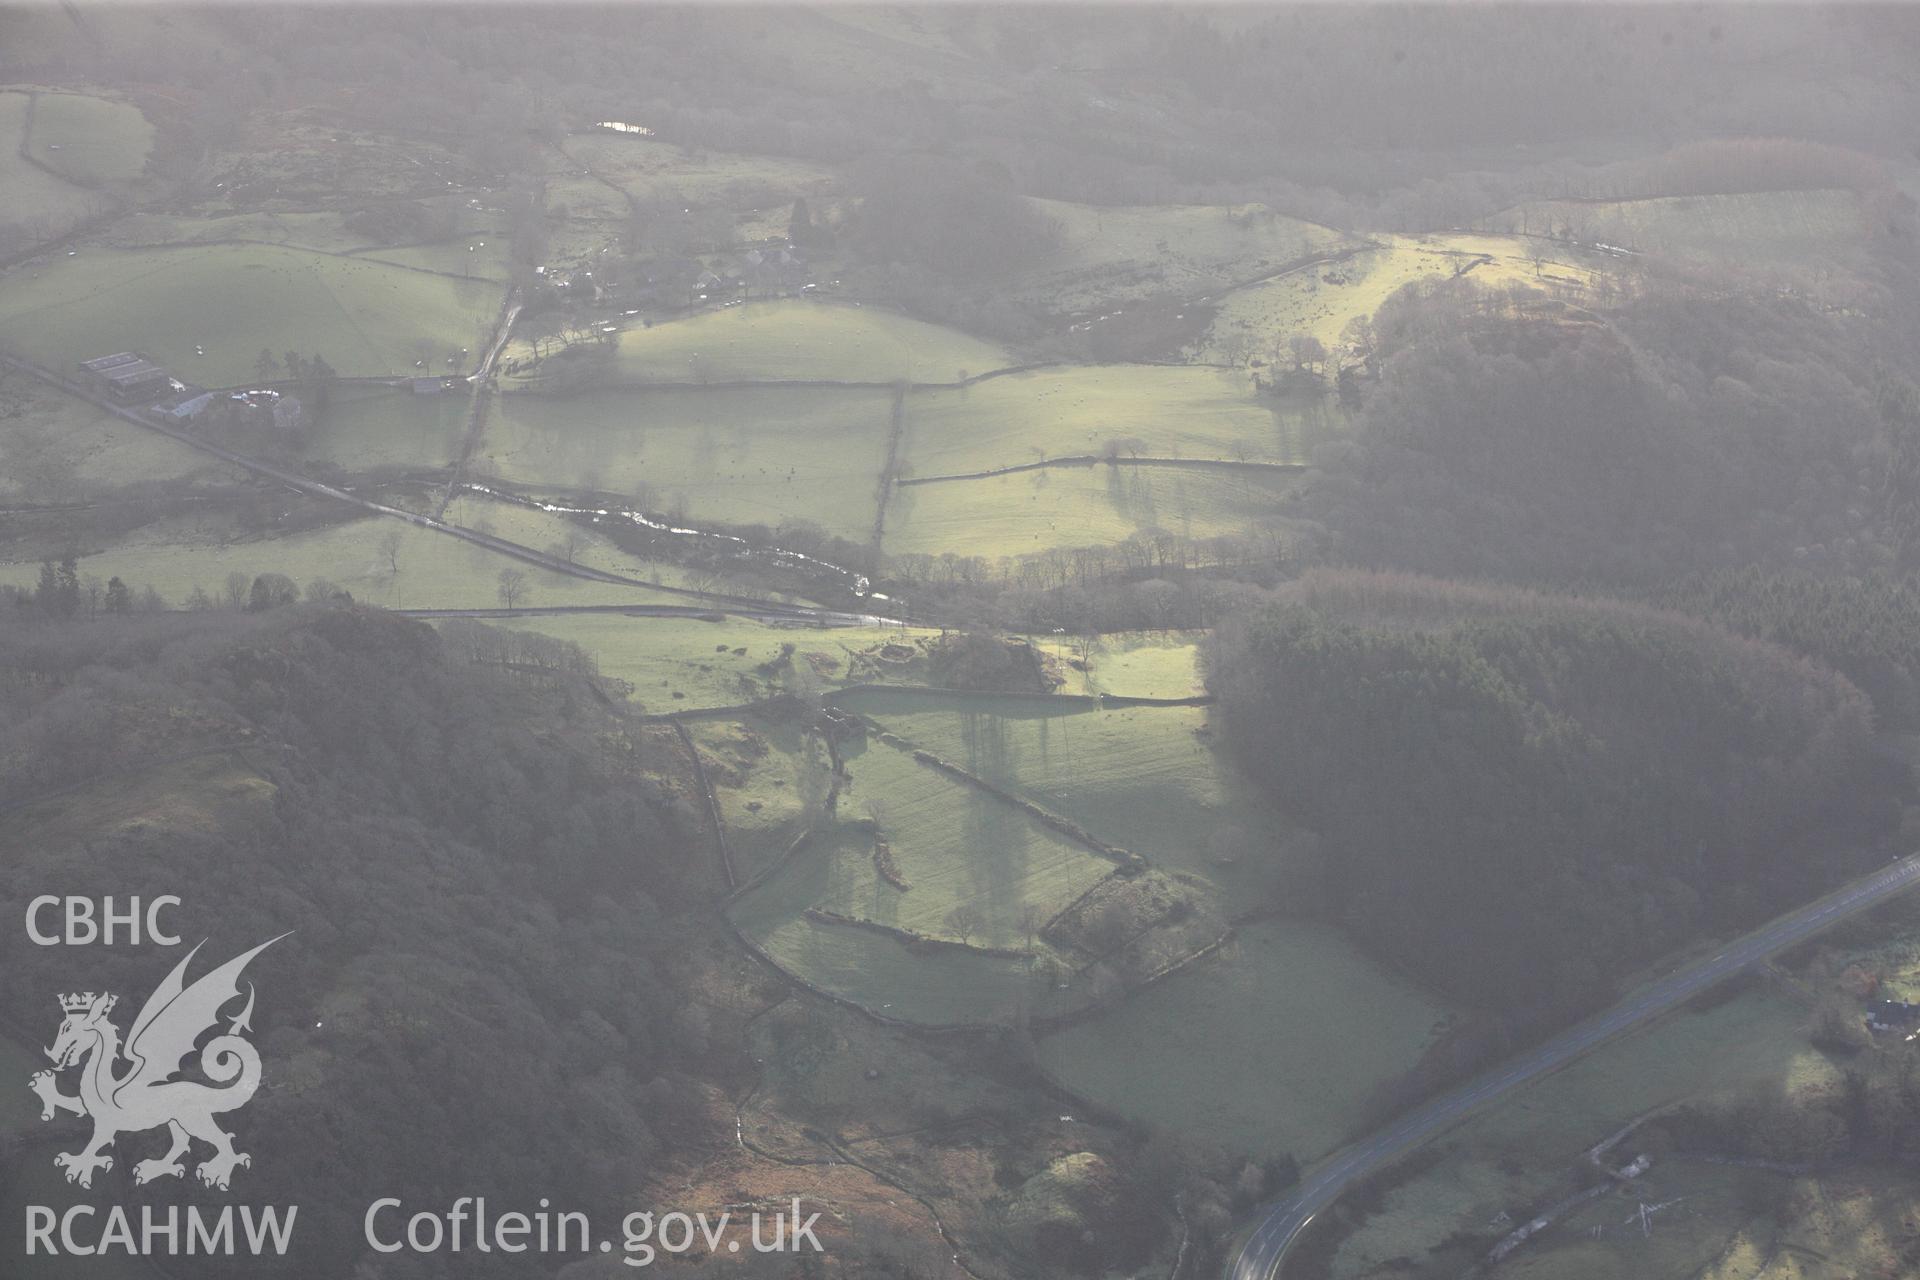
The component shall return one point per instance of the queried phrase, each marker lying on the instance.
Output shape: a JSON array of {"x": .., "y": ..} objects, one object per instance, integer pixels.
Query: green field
[
  {"x": 953, "y": 846},
  {"x": 662, "y": 657},
  {"x": 743, "y": 455},
  {"x": 794, "y": 340},
  {"x": 953, "y": 843},
  {"x": 1078, "y": 507},
  {"x": 436, "y": 571},
  {"x": 1148, "y": 779},
  {"x": 1110, "y": 254},
  {"x": 1055, "y": 412},
  {"x": 90, "y": 141},
  {"x": 876, "y": 972},
  {"x": 1146, "y": 664},
  {"x": 365, "y": 318},
  {"x": 1782, "y": 229},
  {"x": 1271, "y": 1047},
  {"x": 480, "y": 254},
  {"x": 370, "y": 429},
  {"x": 148, "y": 229},
  {"x": 38, "y": 205},
  {"x": 59, "y": 449}
]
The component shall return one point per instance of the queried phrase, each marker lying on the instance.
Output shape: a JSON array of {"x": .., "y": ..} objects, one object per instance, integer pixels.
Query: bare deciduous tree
[{"x": 513, "y": 587}]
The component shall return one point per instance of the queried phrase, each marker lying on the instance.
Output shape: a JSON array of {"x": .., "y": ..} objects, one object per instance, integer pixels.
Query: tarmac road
[{"x": 1279, "y": 1222}]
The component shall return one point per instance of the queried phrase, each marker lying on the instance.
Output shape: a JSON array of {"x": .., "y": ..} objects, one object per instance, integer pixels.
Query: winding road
[{"x": 1279, "y": 1223}]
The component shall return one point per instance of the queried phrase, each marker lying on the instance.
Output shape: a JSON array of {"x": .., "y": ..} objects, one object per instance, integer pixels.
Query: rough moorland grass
[
  {"x": 88, "y": 140},
  {"x": 1148, "y": 779},
  {"x": 35, "y": 199},
  {"x": 365, "y": 318},
  {"x": 436, "y": 571},
  {"x": 59, "y": 449},
  {"x": 1511, "y": 1154},
  {"x": 739, "y": 455},
  {"x": 790, "y": 340},
  {"x": 1323, "y": 300},
  {"x": 770, "y": 778},
  {"x": 1078, "y": 507},
  {"x": 652, "y": 169},
  {"x": 1111, "y": 254},
  {"x": 1775, "y": 228},
  {"x": 200, "y": 794},
  {"x": 1142, "y": 409},
  {"x": 1271, "y": 1047}
]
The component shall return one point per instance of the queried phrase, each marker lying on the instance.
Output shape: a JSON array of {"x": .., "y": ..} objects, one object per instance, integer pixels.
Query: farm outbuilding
[{"x": 127, "y": 375}]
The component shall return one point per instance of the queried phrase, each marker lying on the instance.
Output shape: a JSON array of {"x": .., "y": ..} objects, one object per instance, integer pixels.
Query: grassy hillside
[
  {"x": 1107, "y": 255},
  {"x": 1322, "y": 300},
  {"x": 739, "y": 454},
  {"x": 931, "y": 988},
  {"x": 38, "y": 203},
  {"x": 1762, "y": 228},
  {"x": 1148, "y": 779},
  {"x": 1077, "y": 507},
  {"x": 365, "y": 318},
  {"x": 1143, "y": 409},
  {"x": 793, "y": 340}
]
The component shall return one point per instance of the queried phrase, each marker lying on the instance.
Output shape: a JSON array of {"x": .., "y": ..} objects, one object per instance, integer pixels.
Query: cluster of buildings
[
  {"x": 131, "y": 378},
  {"x": 775, "y": 267},
  {"x": 769, "y": 269}
]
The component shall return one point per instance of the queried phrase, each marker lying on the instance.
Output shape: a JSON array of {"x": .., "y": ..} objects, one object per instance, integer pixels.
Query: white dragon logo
[{"x": 147, "y": 1095}]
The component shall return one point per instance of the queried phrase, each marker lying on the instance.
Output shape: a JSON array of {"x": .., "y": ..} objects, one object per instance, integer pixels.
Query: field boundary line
[
  {"x": 889, "y": 470},
  {"x": 1092, "y": 460},
  {"x": 713, "y": 804}
]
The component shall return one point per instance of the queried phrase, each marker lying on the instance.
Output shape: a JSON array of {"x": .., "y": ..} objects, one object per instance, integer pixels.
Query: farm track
[
  {"x": 1262, "y": 1251},
  {"x": 482, "y": 383}
]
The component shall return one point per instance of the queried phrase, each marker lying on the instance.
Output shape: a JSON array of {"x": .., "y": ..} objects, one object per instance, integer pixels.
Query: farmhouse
[
  {"x": 127, "y": 375},
  {"x": 1892, "y": 1015}
]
